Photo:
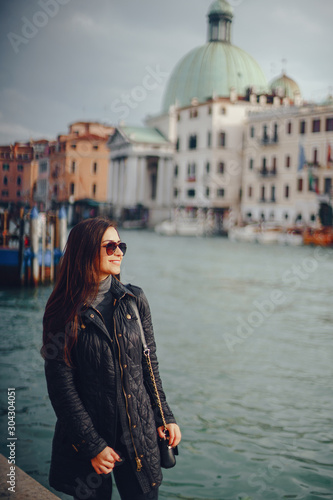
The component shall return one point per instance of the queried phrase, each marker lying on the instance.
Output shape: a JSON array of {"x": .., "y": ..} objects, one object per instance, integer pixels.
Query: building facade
[
  {"x": 18, "y": 174},
  {"x": 78, "y": 164},
  {"x": 287, "y": 169},
  {"x": 140, "y": 178}
]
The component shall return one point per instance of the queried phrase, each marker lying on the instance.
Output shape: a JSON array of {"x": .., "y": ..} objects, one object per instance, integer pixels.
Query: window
[
  {"x": 175, "y": 193},
  {"x": 220, "y": 168},
  {"x": 20, "y": 168},
  {"x": 207, "y": 192},
  {"x": 221, "y": 193},
  {"x": 193, "y": 113},
  {"x": 94, "y": 189},
  {"x": 191, "y": 193},
  {"x": 73, "y": 146},
  {"x": 251, "y": 164},
  {"x": 178, "y": 117},
  {"x": 5, "y": 167},
  {"x": 209, "y": 139},
  {"x": 262, "y": 193},
  {"x": 315, "y": 156},
  {"x": 207, "y": 167},
  {"x": 289, "y": 128},
  {"x": 191, "y": 168},
  {"x": 18, "y": 194},
  {"x": 264, "y": 163},
  {"x": 95, "y": 168},
  {"x": 302, "y": 127},
  {"x": 286, "y": 191},
  {"x": 73, "y": 167},
  {"x": 175, "y": 172},
  {"x": 95, "y": 146},
  {"x": 249, "y": 192},
  {"x": 274, "y": 166},
  {"x": 4, "y": 193},
  {"x": 192, "y": 143},
  {"x": 72, "y": 188},
  {"x": 329, "y": 124},
  {"x": 209, "y": 110},
  {"x": 19, "y": 181},
  {"x": 276, "y": 135},
  {"x": 288, "y": 161},
  {"x": 264, "y": 134},
  {"x": 178, "y": 144},
  {"x": 5, "y": 181},
  {"x": 26, "y": 157},
  {"x": 327, "y": 185},
  {"x": 252, "y": 132},
  {"x": 223, "y": 110},
  {"x": 273, "y": 193},
  {"x": 315, "y": 126},
  {"x": 222, "y": 139},
  {"x": 42, "y": 167},
  {"x": 300, "y": 185}
]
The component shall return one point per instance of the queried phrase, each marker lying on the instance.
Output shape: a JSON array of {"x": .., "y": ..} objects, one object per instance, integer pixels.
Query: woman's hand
[
  {"x": 105, "y": 461},
  {"x": 174, "y": 434}
]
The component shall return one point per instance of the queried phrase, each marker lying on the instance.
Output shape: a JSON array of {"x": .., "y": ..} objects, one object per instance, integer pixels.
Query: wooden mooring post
[{"x": 31, "y": 245}]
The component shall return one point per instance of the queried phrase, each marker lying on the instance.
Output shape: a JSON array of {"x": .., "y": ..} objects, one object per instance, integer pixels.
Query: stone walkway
[{"x": 26, "y": 488}]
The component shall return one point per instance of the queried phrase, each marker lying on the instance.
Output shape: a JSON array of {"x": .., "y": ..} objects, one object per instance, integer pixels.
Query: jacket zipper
[{"x": 137, "y": 459}]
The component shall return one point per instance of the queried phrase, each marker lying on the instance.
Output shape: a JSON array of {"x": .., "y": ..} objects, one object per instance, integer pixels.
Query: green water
[{"x": 245, "y": 343}]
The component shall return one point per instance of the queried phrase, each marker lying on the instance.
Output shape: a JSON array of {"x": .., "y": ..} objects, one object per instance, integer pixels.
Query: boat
[
  {"x": 248, "y": 233},
  {"x": 292, "y": 236},
  {"x": 321, "y": 237}
]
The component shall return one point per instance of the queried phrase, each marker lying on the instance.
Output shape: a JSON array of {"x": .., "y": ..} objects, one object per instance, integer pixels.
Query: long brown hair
[{"x": 77, "y": 285}]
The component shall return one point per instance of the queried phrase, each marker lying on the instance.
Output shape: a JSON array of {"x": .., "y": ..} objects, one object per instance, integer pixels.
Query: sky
[{"x": 64, "y": 61}]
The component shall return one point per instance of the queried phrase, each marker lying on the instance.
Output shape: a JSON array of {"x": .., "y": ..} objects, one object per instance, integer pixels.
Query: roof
[
  {"x": 212, "y": 70},
  {"x": 220, "y": 7},
  {"x": 87, "y": 137},
  {"x": 147, "y": 135},
  {"x": 285, "y": 85}
]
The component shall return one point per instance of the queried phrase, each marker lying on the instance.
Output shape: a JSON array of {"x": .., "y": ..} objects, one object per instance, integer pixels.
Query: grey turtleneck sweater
[{"x": 104, "y": 302}]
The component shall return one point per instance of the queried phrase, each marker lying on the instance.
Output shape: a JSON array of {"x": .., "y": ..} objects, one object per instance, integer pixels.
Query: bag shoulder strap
[{"x": 146, "y": 352}]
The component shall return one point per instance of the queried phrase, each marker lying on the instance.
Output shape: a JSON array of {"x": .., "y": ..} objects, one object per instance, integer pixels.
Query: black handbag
[{"x": 167, "y": 452}]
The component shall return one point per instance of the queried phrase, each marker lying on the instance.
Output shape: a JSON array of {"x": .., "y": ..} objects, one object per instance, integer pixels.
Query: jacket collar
[{"x": 119, "y": 290}]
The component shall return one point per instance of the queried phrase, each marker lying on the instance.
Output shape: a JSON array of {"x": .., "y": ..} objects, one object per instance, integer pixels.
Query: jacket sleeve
[
  {"x": 145, "y": 315},
  {"x": 70, "y": 410}
]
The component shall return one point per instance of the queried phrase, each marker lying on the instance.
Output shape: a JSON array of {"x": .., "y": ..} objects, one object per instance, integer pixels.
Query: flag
[
  {"x": 301, "y": 158},
  {"x": 313, "y": 182}
]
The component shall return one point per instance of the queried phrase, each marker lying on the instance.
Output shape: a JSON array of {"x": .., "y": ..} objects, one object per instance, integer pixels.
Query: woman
[{"x": 97, "y": 378}]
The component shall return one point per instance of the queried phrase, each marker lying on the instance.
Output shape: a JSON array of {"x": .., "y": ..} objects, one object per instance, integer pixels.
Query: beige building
[
  {"x": 78, "y": 164},
  {"x": 288, "y": 164}
]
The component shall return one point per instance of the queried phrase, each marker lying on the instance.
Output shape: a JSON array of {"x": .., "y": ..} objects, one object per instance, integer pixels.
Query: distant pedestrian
[{"x": 98, "y": 380}]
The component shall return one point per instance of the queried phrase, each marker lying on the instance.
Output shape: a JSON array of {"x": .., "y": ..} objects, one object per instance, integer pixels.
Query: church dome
[
  {"x": 221, "y": 6},
  {"x": 283, "y": 86},
  {"x": 213, "y": 69}
]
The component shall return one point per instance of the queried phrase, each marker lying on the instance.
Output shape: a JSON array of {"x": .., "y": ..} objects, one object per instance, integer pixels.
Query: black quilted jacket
[{"x": 110, "y": 387}]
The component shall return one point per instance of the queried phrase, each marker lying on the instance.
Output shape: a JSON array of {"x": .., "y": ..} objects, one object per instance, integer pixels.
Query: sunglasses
[{"x": 112, "y": 247}]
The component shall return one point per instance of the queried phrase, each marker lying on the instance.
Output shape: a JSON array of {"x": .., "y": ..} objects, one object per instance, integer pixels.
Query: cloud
[
  {"x": 293, "y": 17},
  {"x": 14, "y": 132}
]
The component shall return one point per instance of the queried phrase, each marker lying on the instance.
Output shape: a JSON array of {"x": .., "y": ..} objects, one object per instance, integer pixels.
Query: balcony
[
  {"x": 267, "y": 200},
  {"x": 269, "y": 141},
  {"x": 267, "y": 172}
]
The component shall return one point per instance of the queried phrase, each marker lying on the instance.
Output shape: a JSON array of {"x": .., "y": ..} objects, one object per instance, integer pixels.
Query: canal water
[{"x": 245, "y": 343}]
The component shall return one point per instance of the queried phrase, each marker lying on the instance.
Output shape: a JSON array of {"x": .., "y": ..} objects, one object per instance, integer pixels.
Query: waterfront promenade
[{"x": 26, "y": 488}]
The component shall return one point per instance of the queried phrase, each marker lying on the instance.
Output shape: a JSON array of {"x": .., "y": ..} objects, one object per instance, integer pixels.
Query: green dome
[
  {"x": 220, "y": 7},
  {"x": 284, "y": 86},
  {"x": 212, "y": 70}
]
